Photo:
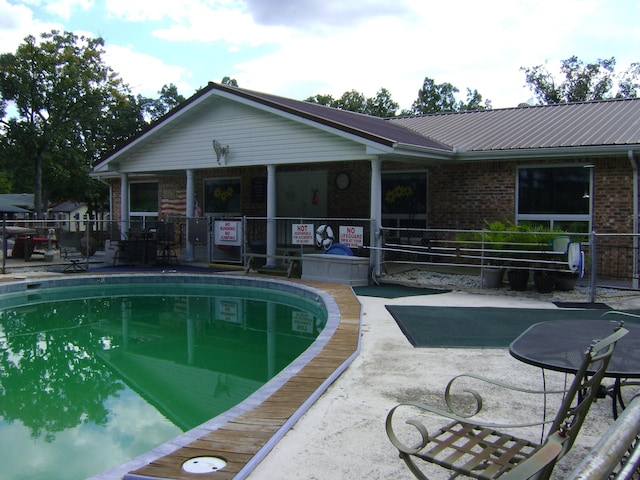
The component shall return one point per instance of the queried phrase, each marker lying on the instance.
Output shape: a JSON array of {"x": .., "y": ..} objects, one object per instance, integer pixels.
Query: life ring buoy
[
  {"x": 575, "y": 258},
  {"x": 324, "y": 236}
]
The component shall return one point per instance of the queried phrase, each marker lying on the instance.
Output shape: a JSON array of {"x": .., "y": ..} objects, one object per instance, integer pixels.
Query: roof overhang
[{"x": 542, "y": 153}]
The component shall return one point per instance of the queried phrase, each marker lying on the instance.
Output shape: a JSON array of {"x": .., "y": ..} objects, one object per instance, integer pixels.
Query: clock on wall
[{"x": 343, "y": 181}]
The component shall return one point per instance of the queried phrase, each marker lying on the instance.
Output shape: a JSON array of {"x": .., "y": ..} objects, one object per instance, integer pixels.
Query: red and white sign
[
  {"x": 228, "y": 232},
  {"x": 302, "y": 234},
  {"x": 352, "y": 236}
]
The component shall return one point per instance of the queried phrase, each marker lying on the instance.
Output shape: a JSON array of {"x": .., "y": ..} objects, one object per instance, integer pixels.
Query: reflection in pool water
[{"x": 93, "y": 376}]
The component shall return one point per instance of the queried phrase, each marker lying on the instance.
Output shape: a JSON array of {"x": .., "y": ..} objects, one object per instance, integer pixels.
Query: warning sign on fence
[
  {"x": 228, "y": 232},
  {"x": 352, "y": 236},
  {"x": 302, "y": 234}
]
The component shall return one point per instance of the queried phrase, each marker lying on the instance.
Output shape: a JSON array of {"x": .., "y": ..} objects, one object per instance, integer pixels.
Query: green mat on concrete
[
  {"x": 390, "y": 290},
  {"x": 479, "y": 327}
]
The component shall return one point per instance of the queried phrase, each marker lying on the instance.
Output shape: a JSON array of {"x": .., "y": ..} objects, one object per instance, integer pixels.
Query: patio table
[{"x": 560, "y": 345}]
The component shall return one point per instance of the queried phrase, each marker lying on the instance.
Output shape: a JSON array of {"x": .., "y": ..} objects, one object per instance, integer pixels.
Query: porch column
[
  {"x": 376, "y": 215},
  {"x": 124, "y": 203},
  {"x": 272, "y": 238},
  {"x": 191, "y": 202}
]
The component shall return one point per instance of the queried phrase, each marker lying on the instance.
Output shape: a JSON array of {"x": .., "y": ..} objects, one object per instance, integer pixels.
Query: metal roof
[
  {"x": 589, "y": 124},
  {"x": 366, "y": 126},
  {"x": 604, "y": 124}
]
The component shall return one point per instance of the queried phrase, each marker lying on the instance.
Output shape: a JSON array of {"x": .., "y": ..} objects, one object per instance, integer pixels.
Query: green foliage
[
  {"x": 229, "y": 81},
  {"x": 505, "y": 235},
  {"x": 64, "y": 97},
  {"x": 382, "y": 105},
  {"x": 435, "y": 98},
  {"x": 353, "y": 101},
  {"x": 441, "y": 98},
  {"x": 582, "y": 82},
  {"x": 5, "y": 183},
  {"x": 169, "y": 98}
]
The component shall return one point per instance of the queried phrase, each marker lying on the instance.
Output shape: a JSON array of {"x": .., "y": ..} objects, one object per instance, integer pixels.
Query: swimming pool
[{"x": 161, "y": 344}]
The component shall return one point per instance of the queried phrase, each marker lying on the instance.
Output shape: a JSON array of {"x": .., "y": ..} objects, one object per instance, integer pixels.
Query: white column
[
  {"x": 271, "y": 215},
  {"x": 191, "y": 201},
  {"x": 124, "y": 202},
  {"x": 376, "y": 214}
]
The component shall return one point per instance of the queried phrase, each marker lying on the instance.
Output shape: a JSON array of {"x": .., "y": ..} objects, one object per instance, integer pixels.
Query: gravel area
[{"x": 617, "y": 298}]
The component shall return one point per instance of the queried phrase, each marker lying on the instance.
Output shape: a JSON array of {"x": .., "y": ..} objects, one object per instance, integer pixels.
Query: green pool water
[{"x": 91, "y": 377}]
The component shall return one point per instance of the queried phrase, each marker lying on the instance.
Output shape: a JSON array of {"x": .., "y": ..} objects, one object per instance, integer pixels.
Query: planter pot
[
  {"x": 492, "y": 277},
  {"x": 566, "y": 281},
  {"x": 544, "y": 281},
  {"x": 518, "y": 279}
]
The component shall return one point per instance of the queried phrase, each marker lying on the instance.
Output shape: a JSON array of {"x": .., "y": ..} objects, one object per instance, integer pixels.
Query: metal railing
[
  {"x": 617, "y": 453},
  {"x": 477, "y": 248},
  {"x": 608, "y": 259}
]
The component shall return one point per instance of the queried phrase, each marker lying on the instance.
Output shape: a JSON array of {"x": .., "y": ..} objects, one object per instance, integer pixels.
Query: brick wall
[
  {"x": 461, "y": 196},
  {"x": 464, "y": 196}
]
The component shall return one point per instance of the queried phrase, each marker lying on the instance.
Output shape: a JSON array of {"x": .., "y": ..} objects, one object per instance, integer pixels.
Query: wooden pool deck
[{"x": 241, "y": 439}]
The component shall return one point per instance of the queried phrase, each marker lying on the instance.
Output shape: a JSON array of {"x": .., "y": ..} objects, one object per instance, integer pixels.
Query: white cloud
[
  {"x": 145, "y": 74},
  {"x": 470, "y": 44},
  {"x": 17, "y": 22},
  {"x": 64, "y": 8},
  {"x": 298, "y": 48},
  {"x": 334, "y": 14}
]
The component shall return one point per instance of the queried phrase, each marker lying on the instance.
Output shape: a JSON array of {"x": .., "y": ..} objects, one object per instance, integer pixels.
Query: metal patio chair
[
  {"x": 117, "y": 241},
  {"x": 482, "y": 450},
  {"x": 166, "y": 244},
  {"x": 72, "y": 250}
]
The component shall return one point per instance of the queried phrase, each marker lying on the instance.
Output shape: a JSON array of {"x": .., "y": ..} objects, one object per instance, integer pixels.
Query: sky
[{"x": 300, "y": 48}]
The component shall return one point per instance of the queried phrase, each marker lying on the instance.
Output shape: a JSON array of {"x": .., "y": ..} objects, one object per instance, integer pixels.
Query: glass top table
[{"x": 560, "y": 346}]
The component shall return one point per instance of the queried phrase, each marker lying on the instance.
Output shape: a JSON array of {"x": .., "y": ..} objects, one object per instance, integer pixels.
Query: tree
[
  {"x": 229, "y": 81},
  {"x": 155, "y": 108},
  {"x": 434, "y": 98},
  {"x": 474, "y": 102},
  {"x": 62, "y": 92},
  {"x": 582, "y": 82},
  {"x": 326, "y": 100},
  {"x": 437, "y": 98},
  {"x": 353, "y": 101},
  {"x": 381, "y": 105}
]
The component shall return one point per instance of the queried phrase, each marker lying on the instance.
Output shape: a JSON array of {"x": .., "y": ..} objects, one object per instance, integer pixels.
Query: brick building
[{"x": 228, "y": 151}]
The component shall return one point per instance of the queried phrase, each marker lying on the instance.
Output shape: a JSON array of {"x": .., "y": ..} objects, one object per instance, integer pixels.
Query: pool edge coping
[{"x": 166, "y": 449}]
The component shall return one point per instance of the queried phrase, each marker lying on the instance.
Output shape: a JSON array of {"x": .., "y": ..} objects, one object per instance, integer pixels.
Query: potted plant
[
  {"x": 492, "y": 271},
  {"x": 513, "y": 238}
]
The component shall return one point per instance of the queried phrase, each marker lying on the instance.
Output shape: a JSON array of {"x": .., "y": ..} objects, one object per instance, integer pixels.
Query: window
[
  {"x": 404, "y": 199},
  {"x": 143, "y": 205},
  {"x": 555, "y": 197},
  {"x": 222, "y": 196}
]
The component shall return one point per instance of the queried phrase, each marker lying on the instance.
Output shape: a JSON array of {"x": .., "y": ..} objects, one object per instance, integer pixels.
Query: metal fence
[
  {"x": 609, "y": 259},
  {"x": 606, "y": 259},
  {"x": 296, "y": 236}
]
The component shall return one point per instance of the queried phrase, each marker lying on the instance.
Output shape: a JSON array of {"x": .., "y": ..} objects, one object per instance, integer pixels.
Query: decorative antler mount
[{"x": 221, "y": 152}]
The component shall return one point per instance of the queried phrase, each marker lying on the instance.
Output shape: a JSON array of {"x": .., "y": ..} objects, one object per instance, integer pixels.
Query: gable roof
[
  {"x": 66, "y": 206},
  {"x": 592, "y": 128},
  {"x": 366, "y": 126},
  {"x": 589, "y": 124}
]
